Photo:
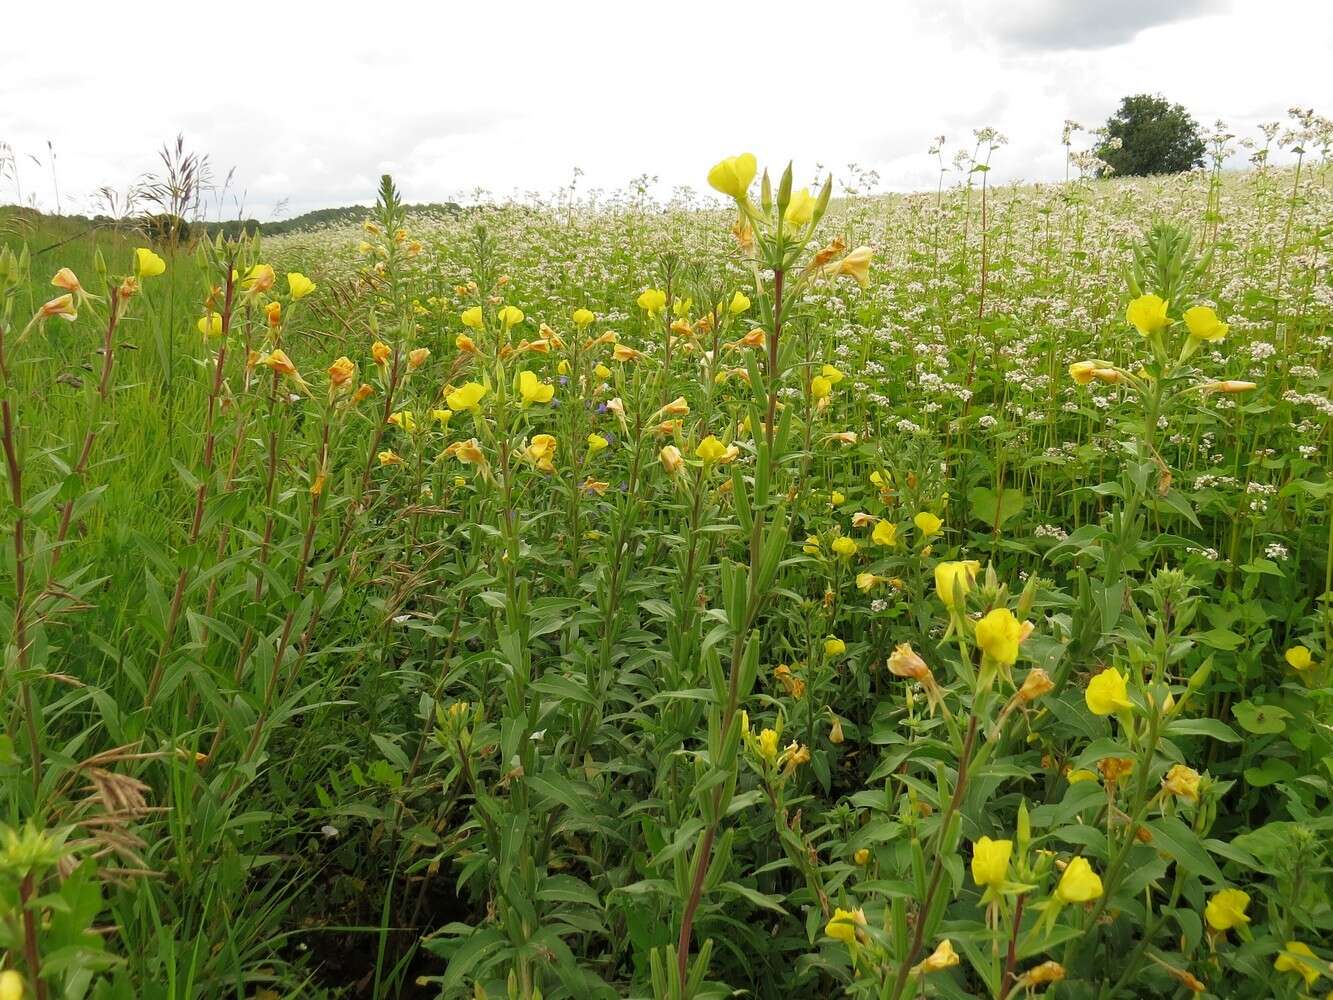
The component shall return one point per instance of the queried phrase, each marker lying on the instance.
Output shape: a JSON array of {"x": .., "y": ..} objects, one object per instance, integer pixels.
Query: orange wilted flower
[
  {"x": 591, "y": 485},
  {"x": 62, "y": 306},
  {"x": 469, "y": 453},
  {"x": 755, "y": 338},
  {"x": 68, "y": 281},
  {"x": 273, "y": 313},
  {"x": 341, "y": 371},
  {"x": 678, "y": 407},
  {"x": 623, "y": 353},
  {"x": 277, "y": 360},
  {"x": 417, "y": 357}
]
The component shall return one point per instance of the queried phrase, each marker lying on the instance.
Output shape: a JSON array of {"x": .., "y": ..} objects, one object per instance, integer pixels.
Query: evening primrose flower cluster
[
  {"x": 1149, "y": 315},
  {"x": 778, "y": 228},
  {"x": 73, "y": 296}
]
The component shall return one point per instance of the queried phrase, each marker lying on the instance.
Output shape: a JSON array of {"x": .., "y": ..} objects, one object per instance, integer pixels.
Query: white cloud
[{"x": 309, "y": 102}]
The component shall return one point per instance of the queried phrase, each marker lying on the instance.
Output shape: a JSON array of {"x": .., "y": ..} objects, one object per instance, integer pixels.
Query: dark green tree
[{"x": 1155, "y": 137}]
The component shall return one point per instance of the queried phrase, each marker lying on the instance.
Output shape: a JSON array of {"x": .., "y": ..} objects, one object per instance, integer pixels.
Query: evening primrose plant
[{"x": 609, "y": 598}]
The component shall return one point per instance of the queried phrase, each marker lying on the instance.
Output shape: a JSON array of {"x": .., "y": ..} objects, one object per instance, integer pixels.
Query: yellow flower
[
  {"x": 1182, "y": 782},
  {"x": 652, "y": 301},
  {"x": 259, "y": 279},
  {"x": 998, "y": 635},
  {"x": 533, "y": 390},
  {"x": 820, "y": 387},
  {"x": 833, "y": 646},
  {"x": 943, "y": 957},
  {"x": 583, "y": 317},
  {"x": 11, "y": 985},
  {"x": 388, "y": 457},
  {"x": 1203, "y": 324},
  {"x": 733, "y": 175},
  {"x": 927, "y": 523},
  {"x": 1043, "y": 975},
  {"x": 739, "y": 304},
  {"x": 1107, "y": 693},
  {"x": 380, "y": 351},
  {"x": 990, "y": 861},
  {"x": 1079, "y": 883},
  {"x": 596, "y": 443},
  {"x": 541, "y": 449},
  {"x": 855, "y": 265},
  {"x": 1147, "y": 314},
  {"x": 866, "y": 581},
  {"x": 837, "y": 498},
  {"x": 1083, "y": 372},
  {"x": 1226, "y": 909},
  {"x": 885, "y": 533},
  {"x": 442, "y": 416},
  {"x": 1297, "y": 957},
  {"x": 844, "y": 546},
  {"x": 952, "y": 578},
  {"x": 710, "y": 449},
  {"x": 768, "y": 745},
  {"x": 509, "y": 316},
  {"x": 210, "y": 325},
  {"x": 1081, "y": 774},
  {"x": 1299, "y": 658},
  {"x": 672, "y": 460},
  {"x": 298, "y": 285},
  {"x": 417, "y": 357},
  {"x": 801, "y": 208},
  {"x": 832, "y": 374},
  {"x": 148, "y": 264},
  {"x": 862, "y": 856},
  {"x": 466, "y": 397},
  {"x": 844, "y": 924},
  {"x": 472, "y": 318},
  {"x": 601, "y": 371},
  {"x": 404, "y": 420}
]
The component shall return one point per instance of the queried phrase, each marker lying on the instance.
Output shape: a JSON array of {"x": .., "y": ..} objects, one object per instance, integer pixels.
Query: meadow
[{"x": 880, "y": 596}]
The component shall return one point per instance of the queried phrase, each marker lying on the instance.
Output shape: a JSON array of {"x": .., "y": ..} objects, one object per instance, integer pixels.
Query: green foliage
[{"x": 1149, "y": 135}]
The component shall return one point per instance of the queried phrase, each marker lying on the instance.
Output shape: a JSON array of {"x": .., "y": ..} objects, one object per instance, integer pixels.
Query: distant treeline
[{"x": 161, "y": 227}]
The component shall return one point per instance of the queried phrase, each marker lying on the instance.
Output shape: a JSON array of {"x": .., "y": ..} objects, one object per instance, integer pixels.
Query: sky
[{"x": 306, "y": 104}]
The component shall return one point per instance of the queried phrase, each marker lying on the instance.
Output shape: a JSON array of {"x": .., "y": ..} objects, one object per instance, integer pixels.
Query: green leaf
[
  {"x": 1260, "y": 719},
  {"x": 1183, "y": 844},
  {"x": 992, "y": 509}
]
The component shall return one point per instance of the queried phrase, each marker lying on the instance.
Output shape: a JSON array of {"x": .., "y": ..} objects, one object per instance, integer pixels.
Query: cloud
[
  {"x": 1090, "y": 24},
  {"x": 511, "y": 96}
]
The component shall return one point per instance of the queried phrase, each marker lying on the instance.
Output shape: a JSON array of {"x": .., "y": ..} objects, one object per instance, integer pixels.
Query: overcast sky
[{"x": 311, "y": 102}]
